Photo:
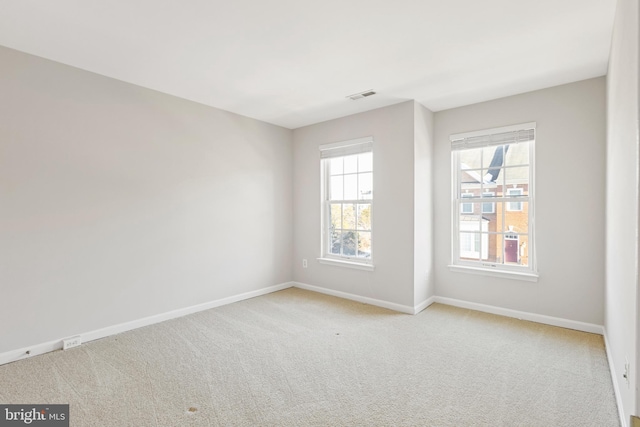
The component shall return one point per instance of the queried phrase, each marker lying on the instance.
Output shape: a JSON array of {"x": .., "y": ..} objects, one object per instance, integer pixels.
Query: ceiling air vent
[{"x": 361, "y": 95}]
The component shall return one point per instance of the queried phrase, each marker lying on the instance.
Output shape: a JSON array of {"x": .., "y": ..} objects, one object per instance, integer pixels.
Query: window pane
[
  {"x": 518, "y": 154},
  {"x": 364, "y": 217},
  {"x": 350, "y": 187},
  {"x": 349, "y": 217},
  {"x": 469, "y": 188},
  {"x": 336, "y": 188},
  {"x": 336, "y": 216},
  {"x": 517, "y": 205},
  {"x": 466, "y": 208},
  {"x": 335, "y": 167},
  {"x": 335, "y": 243},
  {"x": 470, "y": 159},
  {"x": 349, "y": 243},
  {"x": 491, "y": 188},
  {"x": 351, "y": 164},
  {"x": 484, "y": 246},
  {"x": 516, "y": 217},
  {"x": 470, "y": 246},
  {"x": 365, "y": 162},
  {"x": 487, "y": 155},
  {"x": 493, "y": 175},
  {"x": 466, "y": 242},
  {"x": 493, "y": 159},
  {"x": 469, "y": 208},
  {"x": 494, "y": 156},
  {"x": 494, "y": 243},
  {"x": 517, "y": 178},
  {"x": 470, "y": 180},
  {"x": 523, "y": 250},
  {"x": 365, "y": 186},
  {"x": 469, "y": 223},
  {"x": 474, "y": 244},
  {"x": 511, "y": 249},
  {"x": 364, "y": 244}
]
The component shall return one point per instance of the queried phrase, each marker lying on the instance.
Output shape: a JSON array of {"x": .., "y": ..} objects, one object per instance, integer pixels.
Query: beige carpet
[{"x": 297, "y": 358}]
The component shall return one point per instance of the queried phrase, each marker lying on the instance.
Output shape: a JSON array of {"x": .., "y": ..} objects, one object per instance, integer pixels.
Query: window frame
[
  {"x": 482, "y": 266},
  {"x": 340, "y": 150}
]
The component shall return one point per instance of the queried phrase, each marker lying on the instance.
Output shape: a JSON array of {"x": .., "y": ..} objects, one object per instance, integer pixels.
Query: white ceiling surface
[{"x": 292, "y": 62}]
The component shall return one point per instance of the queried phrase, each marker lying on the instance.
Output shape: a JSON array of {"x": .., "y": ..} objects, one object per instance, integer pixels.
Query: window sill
[
  {"x": 347, "y": 264},
  {"x": 529, "y": 277}
]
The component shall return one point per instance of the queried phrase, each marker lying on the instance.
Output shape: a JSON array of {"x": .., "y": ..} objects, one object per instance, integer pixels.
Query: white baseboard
[
  {"x": 614, "y": 380},
  {"x": 426, "y": 303},
  {"x": 46, "y": 347},
  {"x": 23, "y": 353},
  {"x": 366, "y": 300},
  {"x": 523, "y": 315}
]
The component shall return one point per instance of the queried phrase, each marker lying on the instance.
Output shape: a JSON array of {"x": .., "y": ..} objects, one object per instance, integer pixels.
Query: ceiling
[{"x": 293, "y": 62}]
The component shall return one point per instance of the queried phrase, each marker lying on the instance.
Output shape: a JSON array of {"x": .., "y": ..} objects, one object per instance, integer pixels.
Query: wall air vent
[{"x": 361, "y": 95}]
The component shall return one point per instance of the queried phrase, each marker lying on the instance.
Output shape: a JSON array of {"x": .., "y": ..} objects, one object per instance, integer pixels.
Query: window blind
[
  {"x": 346, "y": 148},
  {"x": 499, "y": 136}
]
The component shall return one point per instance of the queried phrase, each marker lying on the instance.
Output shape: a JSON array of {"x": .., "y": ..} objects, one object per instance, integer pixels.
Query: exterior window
[
  {"x": 488, "y": 207},
  {"x": 514, "y": 206},
  {"x": 494, "y": 230},
  {"x": 467, "y": 207},
  {"x": 347, "y": 201}
]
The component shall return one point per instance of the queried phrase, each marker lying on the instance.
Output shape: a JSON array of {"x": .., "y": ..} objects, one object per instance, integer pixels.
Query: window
[
  {"x": 493, "y": 232},
  {"x": 514, "y": 206},
  {"x": 467, "y": 207},
  {"x": 488, "y": 207},
  {"x": 347, "y": 177}
]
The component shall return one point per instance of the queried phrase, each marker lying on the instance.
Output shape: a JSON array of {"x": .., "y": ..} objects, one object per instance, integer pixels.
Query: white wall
[
  {"x": 395, "y": 147},
  {"x": 119, "y": 202},
  {"x": 621, "y": 301},
  {"x": 570, "y": 150},
  {"x": 424, "y": 285}
]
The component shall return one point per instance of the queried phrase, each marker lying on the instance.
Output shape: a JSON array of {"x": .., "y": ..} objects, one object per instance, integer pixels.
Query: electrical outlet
[
  {"x": 304, "y": 263},
  {"x": 71, "y": 342}
]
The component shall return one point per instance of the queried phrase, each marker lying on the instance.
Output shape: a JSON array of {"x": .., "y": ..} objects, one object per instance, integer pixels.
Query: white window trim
[
  {"x": 528, "y": 273},
  {"x": 347, "y": 264},
  {"x": 487, "y": 270},
  {"x": 341, "y": 149},
  {"x": 504, "y": 129}
]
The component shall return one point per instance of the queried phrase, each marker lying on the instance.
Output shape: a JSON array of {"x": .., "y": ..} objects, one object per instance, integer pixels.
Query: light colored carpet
[{"x": 297, "y": 358}]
